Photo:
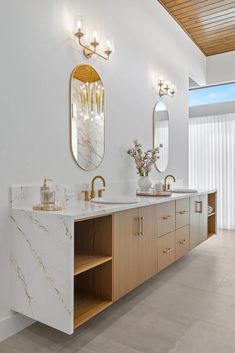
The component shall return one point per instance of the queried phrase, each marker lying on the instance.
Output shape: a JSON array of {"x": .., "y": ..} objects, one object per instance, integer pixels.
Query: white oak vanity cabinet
[
  {"x": 198, "y": 220},
  {"x": 182, "y": 225},
  {"x": 67, "y": 267},
  {"x": 135, "y": 248},
  {"x": 166, "y": 234},
  {"x": 173, "y": 231}
]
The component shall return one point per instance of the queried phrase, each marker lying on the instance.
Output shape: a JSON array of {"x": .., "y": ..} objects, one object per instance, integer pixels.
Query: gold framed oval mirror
[
  {"x": 87, "y": 118},
  {"x": 161, "y": 135}
]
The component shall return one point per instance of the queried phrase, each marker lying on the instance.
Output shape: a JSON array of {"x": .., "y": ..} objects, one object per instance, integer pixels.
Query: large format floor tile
[
  {"x": 206, "y": 338},
  {"x": 187, "y": 308}
]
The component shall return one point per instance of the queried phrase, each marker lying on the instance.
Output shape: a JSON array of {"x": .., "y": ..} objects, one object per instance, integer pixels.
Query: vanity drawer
[
  {"x": 182, "y": 213},
  {"x": 166, "y": 250},
  {"x": 165, "y": 218},
  {"x": 181, "y": 242}
]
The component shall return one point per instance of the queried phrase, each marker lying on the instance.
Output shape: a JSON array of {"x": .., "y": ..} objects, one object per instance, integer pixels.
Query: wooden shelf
[
  {"x": 211, "y": 214},
  {"x": 210, "y": 234},
  {"x": 87, "y": 307},
  {"x": 84, "y": 263}
]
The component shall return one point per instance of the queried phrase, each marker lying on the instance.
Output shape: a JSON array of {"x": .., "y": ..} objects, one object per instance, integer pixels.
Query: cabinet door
[
  {"x": 181, "y": 242},
  {"x": 166, "y": 250},
  {"x": 194, "y": 221},
  {"x": 147, "y": 263},
  {"x": 182, "y": 213},
  {"x": 165, "y": 218},
  {"x": 203, "y": 218},
  {"x": 125, "y": 252}
]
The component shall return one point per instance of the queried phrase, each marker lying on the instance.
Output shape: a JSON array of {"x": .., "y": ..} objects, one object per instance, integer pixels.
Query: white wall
[
  {"x": 212, "y": 109},
  {"x": 221, "y": 68},
  {"x": 38, "y": 54}
]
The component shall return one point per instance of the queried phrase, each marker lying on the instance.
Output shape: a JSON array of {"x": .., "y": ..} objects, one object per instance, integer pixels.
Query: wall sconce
[
  {"x": 166, "y": 88},
  {"x": 90, "y": 49}
]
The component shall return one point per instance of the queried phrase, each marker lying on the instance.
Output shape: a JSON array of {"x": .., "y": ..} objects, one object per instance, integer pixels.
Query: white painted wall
[
  {"x": 38, "y": 54},
  {"x": 212, "y": 109},
  {"x": 220, "y": 68}
]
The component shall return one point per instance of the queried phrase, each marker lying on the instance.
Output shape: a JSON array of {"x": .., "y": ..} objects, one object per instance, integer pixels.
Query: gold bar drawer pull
[
  {"x": 137, "y": 219},
  {"x": 167, "y": 251},
  {"x": 167, "y": 217},
  {"x": 183, "y": 212},
  {"x": 183, "y": 241},
  {"x": 141, "y": 226}
]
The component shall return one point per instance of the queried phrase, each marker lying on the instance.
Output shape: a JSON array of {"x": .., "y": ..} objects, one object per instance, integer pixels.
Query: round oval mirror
[
  {"x": 161, "y": 135},
  {"x": 87, "y": 117}
]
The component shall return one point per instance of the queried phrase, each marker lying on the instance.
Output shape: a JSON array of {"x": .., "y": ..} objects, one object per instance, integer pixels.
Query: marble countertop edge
[{"x": 84, "y": 210}]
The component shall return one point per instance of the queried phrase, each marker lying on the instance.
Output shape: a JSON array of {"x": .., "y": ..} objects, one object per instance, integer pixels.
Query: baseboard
[{"x": 13, "y": 324}]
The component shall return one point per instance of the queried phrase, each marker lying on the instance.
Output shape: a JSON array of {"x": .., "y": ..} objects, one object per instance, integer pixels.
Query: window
[{"x": 212, "y": 94}]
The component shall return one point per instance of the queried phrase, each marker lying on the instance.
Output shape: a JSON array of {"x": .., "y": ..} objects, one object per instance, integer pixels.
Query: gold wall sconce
[
  {"x": 166, "y": 88},
  {"x": 90, "y": 49}
]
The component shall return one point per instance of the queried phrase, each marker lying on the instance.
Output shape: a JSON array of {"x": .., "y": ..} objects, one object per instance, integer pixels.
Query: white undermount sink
[
  {"x": 116, "y": 200},
  {"x": 184, "y": 191}
]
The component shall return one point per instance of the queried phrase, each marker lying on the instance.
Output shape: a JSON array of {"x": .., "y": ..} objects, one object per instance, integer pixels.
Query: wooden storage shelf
[
  {"x": 84, "y": 263},
  {"x": 92, "y": 268},
  {"x": 212, "y": 217},
  {"x": 85, "y": 307}
]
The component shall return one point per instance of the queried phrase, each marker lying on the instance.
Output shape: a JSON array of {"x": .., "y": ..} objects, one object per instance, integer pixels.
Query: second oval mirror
[
  {"x": 161, "y": 134},
  {"x": 87, "y": 117}
]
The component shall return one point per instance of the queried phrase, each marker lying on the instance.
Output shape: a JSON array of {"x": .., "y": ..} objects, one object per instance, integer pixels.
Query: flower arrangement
[{"x": 144, "y": 160}]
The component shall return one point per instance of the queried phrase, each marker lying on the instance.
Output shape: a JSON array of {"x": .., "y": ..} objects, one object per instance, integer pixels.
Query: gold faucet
[
  {"x": 166, "y": 187},
  {"x": 100, "y": 191}
]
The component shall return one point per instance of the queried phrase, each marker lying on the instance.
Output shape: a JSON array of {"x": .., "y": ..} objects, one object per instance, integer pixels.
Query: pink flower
[{"x": 144, "y": 160}]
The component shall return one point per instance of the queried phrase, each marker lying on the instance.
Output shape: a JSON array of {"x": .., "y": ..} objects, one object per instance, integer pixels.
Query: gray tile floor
[{"x": 188, "y": 308}]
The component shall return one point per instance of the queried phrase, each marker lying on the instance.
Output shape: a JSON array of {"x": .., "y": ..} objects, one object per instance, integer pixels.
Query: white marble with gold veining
[
  {"x": 42, "y": 260},
  {"x": 81, "y": 210}
]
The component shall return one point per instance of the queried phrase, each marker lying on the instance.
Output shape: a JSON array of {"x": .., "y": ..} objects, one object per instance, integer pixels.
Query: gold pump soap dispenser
[{"x": 47, "y": 198}]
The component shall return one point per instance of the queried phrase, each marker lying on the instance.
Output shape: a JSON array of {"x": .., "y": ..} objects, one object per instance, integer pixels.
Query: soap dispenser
[
  {"x": 47, "y": 199},
  {"x": 47, "y": 196}
]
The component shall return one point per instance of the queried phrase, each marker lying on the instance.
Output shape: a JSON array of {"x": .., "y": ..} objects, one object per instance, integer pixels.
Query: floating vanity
[{"x": 68, "y": 266}]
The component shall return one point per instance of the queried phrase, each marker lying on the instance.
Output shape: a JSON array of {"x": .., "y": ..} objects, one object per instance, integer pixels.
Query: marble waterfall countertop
[
  {"x": 42, "y": 254},
  {"x": 84, "y": 210}
]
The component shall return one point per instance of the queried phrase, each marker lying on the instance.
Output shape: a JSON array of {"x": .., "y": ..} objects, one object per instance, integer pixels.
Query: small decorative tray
[
  {"x": 50, "y": 208},
  {"x": 153, "y": 193}
]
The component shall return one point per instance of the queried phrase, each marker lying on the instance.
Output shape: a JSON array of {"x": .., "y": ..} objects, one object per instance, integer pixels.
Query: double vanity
[{"x": 70, "y": 265}]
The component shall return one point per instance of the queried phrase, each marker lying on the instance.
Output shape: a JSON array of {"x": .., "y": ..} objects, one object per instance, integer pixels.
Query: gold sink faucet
[
  {"x": 100, "y": 191},
  {"x": 166, "y": 187}
]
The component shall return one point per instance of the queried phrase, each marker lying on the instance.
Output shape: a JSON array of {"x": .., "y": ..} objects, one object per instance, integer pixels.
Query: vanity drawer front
[
  {"x": 182, "y": 213},
  {"x": 166, "y": 250},
  {"x": 182, "y": 242},
  {"x": 165, "y": 218}
]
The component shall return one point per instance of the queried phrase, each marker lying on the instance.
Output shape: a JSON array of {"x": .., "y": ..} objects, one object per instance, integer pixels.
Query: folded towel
[{"x": 210, "y": 209}]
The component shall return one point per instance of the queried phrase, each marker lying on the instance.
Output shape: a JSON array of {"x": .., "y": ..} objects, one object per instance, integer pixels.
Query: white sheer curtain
[{"x": 212, "y": 161}]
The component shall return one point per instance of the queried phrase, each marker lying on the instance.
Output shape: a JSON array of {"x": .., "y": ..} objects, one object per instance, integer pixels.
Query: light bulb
[
  {"x": 108, "y": 44},
  {"x": 78, "y": 23},
  {"x": 79, "y": 26},
  {"x": 95, "y": 36}
]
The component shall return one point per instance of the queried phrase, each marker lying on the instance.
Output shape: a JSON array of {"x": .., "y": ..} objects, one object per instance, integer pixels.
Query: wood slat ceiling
[{"x": 209, "y": 23}]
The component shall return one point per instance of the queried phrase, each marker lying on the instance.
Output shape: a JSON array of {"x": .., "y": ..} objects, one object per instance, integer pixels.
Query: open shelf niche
[
  {"x": 92, "y": 268},
  {"x": 212, "y": 217}
]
